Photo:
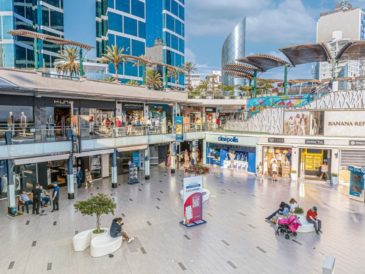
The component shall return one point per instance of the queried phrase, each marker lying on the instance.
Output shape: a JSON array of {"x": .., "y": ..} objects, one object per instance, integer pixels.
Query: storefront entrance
[
  {"x": 282, "y": 156},
  {"x": 315, "y": 164},
  {"x": 62, "y": 119}
]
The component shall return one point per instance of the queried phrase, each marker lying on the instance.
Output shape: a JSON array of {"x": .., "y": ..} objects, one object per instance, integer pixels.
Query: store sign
[
  {"x": 314, "y": 142},
  {"x": 209, "y": 109},
  {"x": 356, "y": 143},
  {"x": 193, "y": 200},
  {"x": 340, "y": 123},
  {"x": 228, "y": 139},
  {"x": 276, "y": 140},
  {"x": 179, "y": 128},
  {"x": 132, "y": 106},
  {"x": 62, "y": 102}
]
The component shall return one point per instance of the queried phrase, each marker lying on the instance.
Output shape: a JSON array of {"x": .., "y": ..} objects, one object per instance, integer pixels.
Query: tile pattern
[{"x": 235, "y": 214}]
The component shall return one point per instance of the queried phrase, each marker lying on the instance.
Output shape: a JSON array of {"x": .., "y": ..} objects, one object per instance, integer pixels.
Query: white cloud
[{"x": 190, "y": 55}]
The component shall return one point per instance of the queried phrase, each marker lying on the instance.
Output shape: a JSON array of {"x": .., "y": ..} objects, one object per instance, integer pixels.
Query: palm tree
[
  {"x": 115, "y": 55},
  {"x": 68, "y": 62},
  {"x": 174, "y": 72},
  {"x": 189, "y": 68},
  {"x": 154, "y": 80}
]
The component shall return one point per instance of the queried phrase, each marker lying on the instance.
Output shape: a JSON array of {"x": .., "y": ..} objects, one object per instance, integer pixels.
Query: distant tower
[{"x": 343, "y": 5}]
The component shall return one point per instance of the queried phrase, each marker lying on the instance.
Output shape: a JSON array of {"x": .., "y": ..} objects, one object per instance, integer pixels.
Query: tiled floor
[{"x": 236, "y": 239}]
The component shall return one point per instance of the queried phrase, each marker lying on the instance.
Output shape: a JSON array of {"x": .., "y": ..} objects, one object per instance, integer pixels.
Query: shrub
[{"x": 298, "y": 210}]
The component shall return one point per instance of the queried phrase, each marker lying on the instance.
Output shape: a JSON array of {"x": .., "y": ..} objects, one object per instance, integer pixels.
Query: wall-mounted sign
[
  {"x": 228, "y": 139},
  {"x": 357, "y": 143},
  {"x": 340, "y": 123},
  {"x": 132, "y": 106},
  {"x": 179, "y": 128},
  {"x": 314, "y": 142},
  {"x": 276, "y": 140},
  {"x": 62, "y": 102},
  {"x": 210, "y": 109}
]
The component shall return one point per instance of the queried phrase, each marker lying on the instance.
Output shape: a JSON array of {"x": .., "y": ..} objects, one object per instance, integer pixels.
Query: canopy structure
[
  {"x": 50, "y": 38},
  {"x": 241, "y": 68},
  {"x": 237, "y": 74},
  {"x": 309, "y": 53},
  {"x": 263, "y": 62},
  {"x": 353, "y": 50}
]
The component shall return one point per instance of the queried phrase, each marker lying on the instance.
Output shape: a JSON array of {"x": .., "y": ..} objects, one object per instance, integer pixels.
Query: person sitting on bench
[{"x": 116, "y": 230}]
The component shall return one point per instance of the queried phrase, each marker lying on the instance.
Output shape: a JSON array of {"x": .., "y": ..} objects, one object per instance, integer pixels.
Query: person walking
[
  {"x": 36, "y": 199},
  {"x": 116, "y": 230},
  {"x": 324, "y": 171},
  {"x": 55, "y": 197},
  {"x": 79, "y": 177},
  {"x": 274, "y": 168},
  {"x": 312, "y": 217}
]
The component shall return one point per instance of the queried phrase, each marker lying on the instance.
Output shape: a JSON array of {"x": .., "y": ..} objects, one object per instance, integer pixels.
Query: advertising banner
[
  {"x": 179, "y": 129},
  {"x": 357, "y": 183},
  {"x": 340, "y": 123},
  {"x": 193, "y": 201},
  {"x": 304, "y": 123}
]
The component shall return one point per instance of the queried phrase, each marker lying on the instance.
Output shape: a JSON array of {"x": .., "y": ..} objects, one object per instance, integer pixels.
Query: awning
[
  {"x": 41, "y": 159},
  {"x": 353, "y": 50},
  {"x": 132, "y": 148},
  {"x": 304, "y": 54},
  {"x": 263, "y": 62},
  {"x": 94, "y": 152}
]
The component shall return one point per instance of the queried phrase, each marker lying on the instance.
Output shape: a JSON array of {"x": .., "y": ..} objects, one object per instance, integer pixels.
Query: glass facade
[
  {"x": 122, "y": 23},
  {"x": 166, "y": 22},
  {"x": 234, "y": 48},
  {"x": 45, "y": 16}
]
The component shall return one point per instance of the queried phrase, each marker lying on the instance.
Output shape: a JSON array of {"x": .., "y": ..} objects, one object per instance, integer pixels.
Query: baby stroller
[{"x": 288, "y": 226}]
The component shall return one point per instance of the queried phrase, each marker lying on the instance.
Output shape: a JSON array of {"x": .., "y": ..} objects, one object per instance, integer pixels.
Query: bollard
[{"x": 329, "y": 265}]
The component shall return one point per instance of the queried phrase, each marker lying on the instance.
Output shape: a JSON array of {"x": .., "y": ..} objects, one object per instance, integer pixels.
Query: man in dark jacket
[
  {"x": 116, "y": 230},
  {"x": 284, "y": 209},
  {"x": 36, "y": 198}
]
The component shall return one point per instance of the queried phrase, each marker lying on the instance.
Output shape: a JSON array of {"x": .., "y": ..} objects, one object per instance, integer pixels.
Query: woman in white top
[{"x": 293, "y": 204}]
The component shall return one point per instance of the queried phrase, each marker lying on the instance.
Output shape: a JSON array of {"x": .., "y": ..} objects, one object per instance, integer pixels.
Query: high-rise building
[
  {"x": 136, "y": 25},
  {"x": 336, "y": 28},
  {"x": 166, "y": 23},
  {"x": 44, "y": 16},
  {"x": 122, "y": 23},
  {"x": 234, "y": 48}
]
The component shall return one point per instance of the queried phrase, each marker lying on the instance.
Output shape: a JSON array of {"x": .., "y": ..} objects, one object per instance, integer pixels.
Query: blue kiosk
[{"x": 357, "y": 179}]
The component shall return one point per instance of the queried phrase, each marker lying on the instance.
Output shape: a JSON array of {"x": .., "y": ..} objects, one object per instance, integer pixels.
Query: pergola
[
  {"x": 307, "y": 53},
  {"x": 352, "y": 50},
  {"x": 52, "y": 39}
]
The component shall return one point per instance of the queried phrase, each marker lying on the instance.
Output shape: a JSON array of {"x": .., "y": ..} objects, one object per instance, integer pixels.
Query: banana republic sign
[{"x": 344, "y": 123}]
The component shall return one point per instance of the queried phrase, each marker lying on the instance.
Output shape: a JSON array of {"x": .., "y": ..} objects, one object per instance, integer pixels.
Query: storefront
[
  {"x": 283, "y": 158},
  {"x": 160, "y": 117},
  {"x": 193, "y": 149},
  {"x": 231, "y": 156},
  {"x": 17, "y": 116},
  {"x": 350, "y": 157},
  {"x": 211, "y": 117},
  {"x": 315, "y": 164},
  {"x": 132, "y": 114},
  {"x": 193, "y": 118}
]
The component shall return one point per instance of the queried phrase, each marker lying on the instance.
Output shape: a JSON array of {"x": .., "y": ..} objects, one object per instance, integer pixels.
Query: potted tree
[
  {"x": 97, "y": 205},
  {"x": 299, "y": 212},
  {"x": 334, "y": 178}
]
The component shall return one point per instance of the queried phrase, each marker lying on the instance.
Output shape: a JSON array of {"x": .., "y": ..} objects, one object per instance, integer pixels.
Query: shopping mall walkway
[{"x": 236, "y": 238}]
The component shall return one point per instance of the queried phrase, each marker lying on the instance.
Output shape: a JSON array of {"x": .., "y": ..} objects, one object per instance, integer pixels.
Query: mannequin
[
  {"x": 10, "y": 122},
  {"x": 23, "y": 123}
]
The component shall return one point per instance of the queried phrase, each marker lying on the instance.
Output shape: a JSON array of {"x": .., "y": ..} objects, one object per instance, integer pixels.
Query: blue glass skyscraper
[
  {"x": 135, "y": 25},
  {"x": 44, "y": 16},
  {"x": 122, "y": 23},
  {"x": 166, "y": 22}
]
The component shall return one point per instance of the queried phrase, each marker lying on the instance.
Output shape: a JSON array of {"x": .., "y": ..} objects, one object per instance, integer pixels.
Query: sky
[{"x": 271, "y": 24}]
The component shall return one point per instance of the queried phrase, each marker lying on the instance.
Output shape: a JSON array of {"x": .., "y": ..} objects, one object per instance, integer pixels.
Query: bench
[
  {"x": 305, "y": 226},
  {"x": 104, "y": 245},
  {"x": 81, "y": 241}
]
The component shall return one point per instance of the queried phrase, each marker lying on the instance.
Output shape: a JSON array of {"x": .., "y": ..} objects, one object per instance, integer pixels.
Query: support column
[
  {"x": 81, "y": 63},
  {"x": 294, "y": 164},
  {"x": 173, "y": 157},
  {"x": 70, "y": 179},
  {"x": 254, "y": 83},
  {"x": 11, "y": 188},
  {"x": 35, "y": 49},
  {"x": 114, "y": 170},
  {"x": 285, "y": 79},
  {"x": 147, "y": 163},
  {"x": 204, "y": 154}
]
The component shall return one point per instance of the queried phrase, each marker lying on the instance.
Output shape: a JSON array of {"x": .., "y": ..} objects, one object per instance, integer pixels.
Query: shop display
[
  {"x": 132, "y": 174},
  {"x": 282, "y": 157}
]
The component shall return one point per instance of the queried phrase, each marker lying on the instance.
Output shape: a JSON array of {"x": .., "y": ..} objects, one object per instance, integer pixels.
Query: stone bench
[
  {"x": 104, "y": 245},
  {"x": 305, "y": 226},
  {"x": 81, "y": 241}
]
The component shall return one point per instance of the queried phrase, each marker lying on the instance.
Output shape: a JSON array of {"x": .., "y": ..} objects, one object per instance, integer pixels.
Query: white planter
[{"x": 93, "y": 235}]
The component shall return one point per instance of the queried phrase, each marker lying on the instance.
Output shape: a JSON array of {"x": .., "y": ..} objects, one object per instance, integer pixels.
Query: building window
[
  {"x": 124, "y": 43},
  {"x": 138, "y": 8},
  {"x": 138, "y": 48},
  {"x": 141, "y": 29},
  {"x": 123, "y": 5},
  {"x": 130, "y": 26},
  {"x": 115, "y": 22}
]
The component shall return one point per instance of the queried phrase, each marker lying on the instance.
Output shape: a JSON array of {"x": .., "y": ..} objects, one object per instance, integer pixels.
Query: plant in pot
[
  {"x": 299, "y": 212},
  {"x": 97, "y": 205},
  {"x": 334, "y": 178}
]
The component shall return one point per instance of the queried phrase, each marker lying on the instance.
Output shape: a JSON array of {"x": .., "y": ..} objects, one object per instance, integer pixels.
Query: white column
[
  {"x": 204, "y": 154},
  {"x": 70, "y": 179},
  {"x": 105, "y": 163},
  {"x": 295, "y": 163},
  {"x": 173, "y": 157},
  {"x": 335, "y": 163},
  {"x": 114, "y": 169},
  {"x": 147, "y": 163}
]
